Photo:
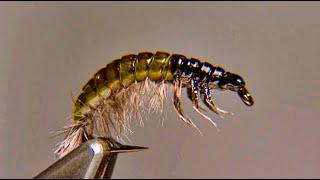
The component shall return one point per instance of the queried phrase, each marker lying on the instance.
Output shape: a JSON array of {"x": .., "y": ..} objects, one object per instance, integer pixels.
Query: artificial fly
[{"x": 117, "y": 93}]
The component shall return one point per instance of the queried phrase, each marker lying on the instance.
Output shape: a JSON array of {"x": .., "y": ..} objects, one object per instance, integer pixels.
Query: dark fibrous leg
[
  {"x": 206, "y": 98},
  {"x": 193, "y": 95},
  {"x": 177, "y": 104}
]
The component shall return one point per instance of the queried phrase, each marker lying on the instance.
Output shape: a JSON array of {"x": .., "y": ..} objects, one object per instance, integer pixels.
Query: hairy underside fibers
[{"x": 115, "y": 115}]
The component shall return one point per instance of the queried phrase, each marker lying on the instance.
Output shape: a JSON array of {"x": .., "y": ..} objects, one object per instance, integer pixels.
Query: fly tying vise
[{"x": 118, "y": 92}]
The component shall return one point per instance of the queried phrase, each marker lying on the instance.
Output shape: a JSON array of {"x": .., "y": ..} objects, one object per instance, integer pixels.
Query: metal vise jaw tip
[{"x": 95, "y": 159}]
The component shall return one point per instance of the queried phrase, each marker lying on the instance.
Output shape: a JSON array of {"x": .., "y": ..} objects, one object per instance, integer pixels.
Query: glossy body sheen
[{"x": 158, "y": 67}]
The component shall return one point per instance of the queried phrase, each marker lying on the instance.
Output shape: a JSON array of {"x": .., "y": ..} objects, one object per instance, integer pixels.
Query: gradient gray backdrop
[{"x": 50, "y": 49}]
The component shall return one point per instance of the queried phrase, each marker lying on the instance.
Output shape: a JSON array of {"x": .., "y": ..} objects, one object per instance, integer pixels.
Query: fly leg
[
  {"x": 177, "y": 103},
  {"x": 207, "y": 100},
  {"x": 193, "y": 95}
]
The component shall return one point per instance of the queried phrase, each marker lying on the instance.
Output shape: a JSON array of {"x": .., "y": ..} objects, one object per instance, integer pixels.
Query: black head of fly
[{"x": 234, "y": 82}]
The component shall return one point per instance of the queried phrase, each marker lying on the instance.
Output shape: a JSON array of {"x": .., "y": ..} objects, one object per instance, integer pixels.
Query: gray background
[{"x": 49, "y": 49}]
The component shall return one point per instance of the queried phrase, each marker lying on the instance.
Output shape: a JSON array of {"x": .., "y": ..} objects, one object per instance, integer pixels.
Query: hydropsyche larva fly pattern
[{"x": 118, "y": 93}]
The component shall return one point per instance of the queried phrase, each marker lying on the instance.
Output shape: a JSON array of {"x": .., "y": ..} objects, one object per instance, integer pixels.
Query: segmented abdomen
[{"x": 121, "y": 73}]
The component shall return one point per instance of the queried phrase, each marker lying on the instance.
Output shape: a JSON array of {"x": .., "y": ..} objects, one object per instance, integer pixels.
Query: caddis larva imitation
[{"x": 120, "y": 91}]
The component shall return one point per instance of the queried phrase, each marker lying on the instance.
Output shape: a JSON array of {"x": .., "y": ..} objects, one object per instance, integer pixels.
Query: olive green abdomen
[{"x": 121, "y": 73}]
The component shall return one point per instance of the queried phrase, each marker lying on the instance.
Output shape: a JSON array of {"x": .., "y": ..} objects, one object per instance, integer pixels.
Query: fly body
[{"x": 113, "y": 96}]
